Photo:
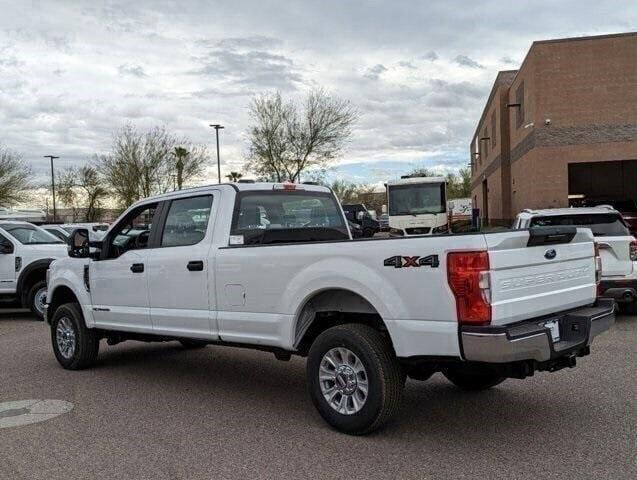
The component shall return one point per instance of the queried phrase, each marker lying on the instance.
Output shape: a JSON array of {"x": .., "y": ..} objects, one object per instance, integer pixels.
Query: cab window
[
  {"x": 133, "y": 233},
  {"x": 187, "y": 221}
]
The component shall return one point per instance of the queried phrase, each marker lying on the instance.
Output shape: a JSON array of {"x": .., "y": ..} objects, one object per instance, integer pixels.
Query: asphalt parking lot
[{"x": 158, "y": 411}]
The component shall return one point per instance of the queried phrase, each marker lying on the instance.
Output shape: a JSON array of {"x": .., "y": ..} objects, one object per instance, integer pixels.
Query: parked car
[
  {"x": 617, "y": 247},
  {"x": 355, "y": 229},
  {"x": 64, "y": 230},
  {"x": 26, "y": 252},
  {"x": 628, "y": 209},
  {"x": 274, "y": 268},
  {"x": 359, "y": 214}
]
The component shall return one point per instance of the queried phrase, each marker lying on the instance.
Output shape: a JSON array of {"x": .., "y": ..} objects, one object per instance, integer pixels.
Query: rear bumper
[
  {"x": 532, "y": 340},
  {"x": 622, "y": 291}
]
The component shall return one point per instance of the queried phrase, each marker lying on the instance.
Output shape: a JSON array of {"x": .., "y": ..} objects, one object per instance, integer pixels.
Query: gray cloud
[
  {"x": 374, "y": 72},
  {"x": 430, "y": 55},
  {"x": 68, "y": 70},
  {"x": 133, "y": 70},
  {"x": 467, "y": 62}
]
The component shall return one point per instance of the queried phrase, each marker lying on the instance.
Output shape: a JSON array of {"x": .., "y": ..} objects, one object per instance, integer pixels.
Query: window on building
[
  {"x": 486, "y": 142},
  {"x": 493, "y": 129},
  {"x": 519, "y": 98}
]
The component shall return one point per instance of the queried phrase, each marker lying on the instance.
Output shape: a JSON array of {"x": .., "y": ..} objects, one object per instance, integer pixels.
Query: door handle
[
  {"x": 137, "y": 267},
  {"x": 195, "y": 266}
]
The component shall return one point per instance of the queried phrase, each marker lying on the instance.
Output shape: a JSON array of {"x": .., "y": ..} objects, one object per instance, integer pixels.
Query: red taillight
[
  {"x": 633, "y": 251},
  {"x": 468, "y": 276}
]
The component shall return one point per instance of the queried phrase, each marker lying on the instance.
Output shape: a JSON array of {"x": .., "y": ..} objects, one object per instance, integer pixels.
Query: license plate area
[{"x": 554, "y": 328}]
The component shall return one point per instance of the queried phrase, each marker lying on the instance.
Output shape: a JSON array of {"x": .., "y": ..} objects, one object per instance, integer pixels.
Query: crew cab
[
  {"x": 617, "y": 247},
  {"x": 25, "y": 254},
  {"x": 273, "y": 267}
]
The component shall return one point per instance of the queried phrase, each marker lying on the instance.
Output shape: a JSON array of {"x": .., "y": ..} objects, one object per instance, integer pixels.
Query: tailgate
[
  {"x": 540, "y": 271},
  {"x": 615, "y": 254}
]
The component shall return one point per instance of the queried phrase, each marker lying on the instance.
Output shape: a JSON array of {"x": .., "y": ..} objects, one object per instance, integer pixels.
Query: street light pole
[
  {"x": 52, "y": 157},
  {"x": 218, "y": 127}
]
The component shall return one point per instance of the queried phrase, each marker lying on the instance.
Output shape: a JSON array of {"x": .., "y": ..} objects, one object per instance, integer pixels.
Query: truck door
[
  {"x": 7, "y": 266},
  {"x": 119, "y": 280},
  {"x": 180, "y": 276}
]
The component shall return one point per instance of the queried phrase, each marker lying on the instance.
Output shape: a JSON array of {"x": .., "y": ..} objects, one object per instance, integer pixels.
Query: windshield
[
  {"x": 600, "y": 224},
  {"x": 416, "y": 199},
  {"x": 29, "y": 234},
  {"x": 282, "y": 217}
]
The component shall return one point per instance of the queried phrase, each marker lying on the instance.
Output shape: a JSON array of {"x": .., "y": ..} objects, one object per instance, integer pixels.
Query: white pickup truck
[
  {"x": 25, "y": 254},
  {"x": 273, "y": 267}
]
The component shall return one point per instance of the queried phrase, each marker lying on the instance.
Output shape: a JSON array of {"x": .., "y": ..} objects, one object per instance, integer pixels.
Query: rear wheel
[
  {"x": 354, "y": 378},
  {"x": 473, "y": 378},
  {"x": 36, "y": 299},
  {"x": 629, "y": 308},
  {"x": 368, "y": 232},
  {"x": 75, "y": 346}
]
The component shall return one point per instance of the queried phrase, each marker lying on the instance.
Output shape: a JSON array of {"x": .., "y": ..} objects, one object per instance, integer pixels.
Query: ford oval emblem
[{"x": 550, "y": 254}]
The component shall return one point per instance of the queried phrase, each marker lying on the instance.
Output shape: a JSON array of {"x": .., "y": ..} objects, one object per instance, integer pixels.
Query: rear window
[
  {"x": 602, "y": 224},
  {"x": 287, "y": 217}
]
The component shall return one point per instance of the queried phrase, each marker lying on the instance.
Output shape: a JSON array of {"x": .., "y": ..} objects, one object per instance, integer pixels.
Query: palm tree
[
  {"x": 234, "y": 176},
  {"x": 180, "y": 154}
]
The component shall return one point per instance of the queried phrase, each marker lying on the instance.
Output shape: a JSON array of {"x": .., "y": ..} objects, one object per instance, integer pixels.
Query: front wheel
[
  {"x": 75, "y": 346},
  {"x": 473, "y": 379},
  {"x": 36, "y": 299},
  {"x": 354, "y": 378}
]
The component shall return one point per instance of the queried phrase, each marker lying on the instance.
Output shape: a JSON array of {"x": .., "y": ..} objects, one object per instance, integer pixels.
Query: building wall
[{"x": 580, "y": 105}]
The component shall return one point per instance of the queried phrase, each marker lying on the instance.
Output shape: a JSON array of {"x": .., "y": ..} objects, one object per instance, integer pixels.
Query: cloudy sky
[{"x": 72, "y": 72}]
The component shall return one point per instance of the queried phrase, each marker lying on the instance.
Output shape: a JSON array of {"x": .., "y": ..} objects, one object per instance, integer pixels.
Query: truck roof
[
  {"x": 239, "y": 187},
  {"x": 554, "y": 212},
  {"x": 407, "y": 181}
]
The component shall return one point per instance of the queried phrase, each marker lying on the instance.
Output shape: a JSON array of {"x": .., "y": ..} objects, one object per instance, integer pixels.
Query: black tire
[
  {"x": 87, "y": 342},
  {"x": 473, "y": 379},
  {"x": 384, "y": 377},
  {"x": 34, "y": 301},
  {"x": 629, "y": 308},
  {"x": 192, "y": 344},
  {"x": 368, "y": 233}
]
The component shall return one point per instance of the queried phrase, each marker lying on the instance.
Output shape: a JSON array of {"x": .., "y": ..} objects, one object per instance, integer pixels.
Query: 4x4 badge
[{"x": 401, "y": 261}]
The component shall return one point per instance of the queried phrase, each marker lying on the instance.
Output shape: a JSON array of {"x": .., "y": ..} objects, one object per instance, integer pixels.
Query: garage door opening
[{"x": 593, "y": 183}]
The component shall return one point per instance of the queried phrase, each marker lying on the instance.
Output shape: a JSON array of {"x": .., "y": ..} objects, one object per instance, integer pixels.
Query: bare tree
[
  {"x": 83, "y": 191},
  {"x": 286, "y": 140},
  {"x": 145, "y": 163},
  {"x": 67, "y": 193},
  {"x": 346, "y": 192},
  {"x": 14, "y": 178}
]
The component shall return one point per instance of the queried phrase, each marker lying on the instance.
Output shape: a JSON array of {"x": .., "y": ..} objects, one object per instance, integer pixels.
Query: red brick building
[{"x": 560, "y": 129}]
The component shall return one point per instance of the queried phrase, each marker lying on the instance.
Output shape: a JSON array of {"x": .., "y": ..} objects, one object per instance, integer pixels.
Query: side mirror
[
  {"x": 6, "y": 247},
  {"x": 78, "y": 243}
]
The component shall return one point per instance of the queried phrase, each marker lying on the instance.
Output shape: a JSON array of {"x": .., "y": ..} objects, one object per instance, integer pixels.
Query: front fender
[{"x": 74, "y": 281}]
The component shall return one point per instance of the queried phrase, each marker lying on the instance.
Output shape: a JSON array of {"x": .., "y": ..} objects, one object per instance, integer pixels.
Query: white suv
[
  {"x": 26, "y": 251},
  {"x": 617, "y": 247}
]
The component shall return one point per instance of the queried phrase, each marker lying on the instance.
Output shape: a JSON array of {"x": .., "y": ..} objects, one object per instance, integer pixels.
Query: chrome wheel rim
[
  {"x": 65, "y": 337},
  {"x": 343, "y": 380},
  {"x": 39, "y": 301}
]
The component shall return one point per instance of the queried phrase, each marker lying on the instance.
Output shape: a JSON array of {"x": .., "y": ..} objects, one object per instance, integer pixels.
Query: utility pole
[
  {"x": 52, "y": 157},
  {"x": 218, "y": 127}
]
